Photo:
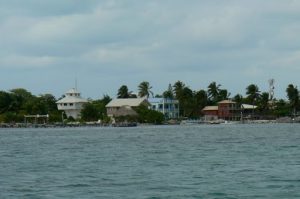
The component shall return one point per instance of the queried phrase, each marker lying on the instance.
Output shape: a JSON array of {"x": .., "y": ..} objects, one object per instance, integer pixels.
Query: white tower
[{"x": 72, "y": 103}]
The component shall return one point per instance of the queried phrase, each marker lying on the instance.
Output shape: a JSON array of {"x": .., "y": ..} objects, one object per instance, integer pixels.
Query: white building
[
  {"x": 72, "y": 103},
  {"x": 169, "y": 107}
]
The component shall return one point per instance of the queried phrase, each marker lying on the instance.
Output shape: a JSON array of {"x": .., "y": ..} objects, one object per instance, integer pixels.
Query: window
[
  {"x": 153, "y": 107},
  {"x": 65, "y": 104},
  {"x": 71, "y": 104},
  {"x": 160, "y": 106}
]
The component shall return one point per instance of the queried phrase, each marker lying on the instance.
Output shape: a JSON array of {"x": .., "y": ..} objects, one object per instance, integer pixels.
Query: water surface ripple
[{"x": 218, "y": 161}]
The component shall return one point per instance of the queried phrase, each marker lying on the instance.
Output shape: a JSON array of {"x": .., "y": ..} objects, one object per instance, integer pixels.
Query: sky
[{"x": 47, "y": 45}]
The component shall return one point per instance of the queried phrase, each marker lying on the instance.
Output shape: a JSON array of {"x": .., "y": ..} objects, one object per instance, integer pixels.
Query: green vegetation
[
  {"x": 123, "y": 92},
  {"x": 144, "y": 115},
  {"x": 95, "y": 110},
  {"x": 293, "y": 96},
  {"x": 19, "y": 102},
  {"x": 145, "y": 89},
  {"x": 16, "y": 103}
]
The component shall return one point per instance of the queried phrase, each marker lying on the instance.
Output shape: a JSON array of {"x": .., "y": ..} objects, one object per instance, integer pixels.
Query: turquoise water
[{"x": 219, "y": 161}]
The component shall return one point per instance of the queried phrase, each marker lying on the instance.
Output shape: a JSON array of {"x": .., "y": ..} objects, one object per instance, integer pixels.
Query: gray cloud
[{"x": 108, "y": 43}]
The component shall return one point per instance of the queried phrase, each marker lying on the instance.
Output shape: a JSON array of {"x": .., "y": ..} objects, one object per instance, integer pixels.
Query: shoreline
[{"x": 23, "y": 125}]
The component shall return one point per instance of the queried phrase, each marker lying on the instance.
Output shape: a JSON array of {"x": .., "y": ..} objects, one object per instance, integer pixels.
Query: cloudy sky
[{"x": 46, "y": 45}]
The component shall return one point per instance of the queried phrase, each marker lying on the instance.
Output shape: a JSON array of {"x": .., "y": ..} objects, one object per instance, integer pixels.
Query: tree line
[
  {"x": 16, "y": 103},
  {"x": 191, "y": 102}
]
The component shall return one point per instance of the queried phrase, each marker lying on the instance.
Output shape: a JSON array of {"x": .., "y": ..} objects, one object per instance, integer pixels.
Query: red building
[
  {"x": 210, "y": 113},
  {"x": 226, "y": 110},
  {"x": 229, "y": 110}
]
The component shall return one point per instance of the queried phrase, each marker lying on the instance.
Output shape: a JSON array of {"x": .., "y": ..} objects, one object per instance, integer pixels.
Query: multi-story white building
[
  {"x": 72, "y": 103},
  {"x": 169, "y": 107}
]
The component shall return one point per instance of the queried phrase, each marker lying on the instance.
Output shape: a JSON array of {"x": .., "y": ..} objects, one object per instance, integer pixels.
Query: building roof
[
  {"x": 226, "y": 102},
  {"x": 132, "y": 102},
  {"x": 161, "y": 100},
  {"x": 248, "y": 106},
  {"x": 210, "y": 108},
  {"x": 73, "y": 91},
  {"x": 71, "y": 99}
]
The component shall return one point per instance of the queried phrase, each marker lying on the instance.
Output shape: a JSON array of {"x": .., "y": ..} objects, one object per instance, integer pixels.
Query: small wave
[{"x": 75, "y": 185}]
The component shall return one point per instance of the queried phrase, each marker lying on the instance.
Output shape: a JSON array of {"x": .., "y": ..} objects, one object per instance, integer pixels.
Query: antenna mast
[
  {"x": 271, "y": 89},
  {"x": 76, "y": 83}
]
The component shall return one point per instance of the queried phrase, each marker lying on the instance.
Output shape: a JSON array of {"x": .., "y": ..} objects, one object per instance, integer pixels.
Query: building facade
[
  {"x": 228, "y": 110},
  {"x": 124, "y": 107},
  {"x": 210, "y": 113},
  {"x": 72, "y": 103},
  {"x": 168, "y": 107}
]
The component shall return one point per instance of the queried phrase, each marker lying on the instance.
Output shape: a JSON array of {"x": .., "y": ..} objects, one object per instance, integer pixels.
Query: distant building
[
  {"x": 169, "y": 107},
  {"x": 210, "y": 113},
  {"x": 248, "y": 110},
  {"x": 72, "y": 103},
  {"x": 123, "y": 107},
  {"x": 227, "y": 110}
]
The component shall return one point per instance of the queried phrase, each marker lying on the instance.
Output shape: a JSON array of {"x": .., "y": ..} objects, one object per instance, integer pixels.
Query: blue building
[{"x": 169, "y": 107}]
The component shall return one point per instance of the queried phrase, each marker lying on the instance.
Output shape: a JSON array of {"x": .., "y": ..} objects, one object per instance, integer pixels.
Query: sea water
[{"x": 201, "y": 161}]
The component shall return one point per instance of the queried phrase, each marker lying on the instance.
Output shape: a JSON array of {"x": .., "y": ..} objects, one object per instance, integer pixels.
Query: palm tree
[
  {"x": 105, "y": 99},
  {"x": 263, "y": 102},
  {"x": 238, "y": 99},
  {"x": 187, "y": 103},
  {"x": 123, "y": 92},
  {"x": 253, "y": 93},
  {"x": 145, "y": 89},
  {"x": 201, "y": 98},
  {"x": 213, "y": 91},
  {"x": 169, "y": 93},
  {"x": 223, "y": 94},
  {"x": 293, "y": 96},
  {"x": 178, "y": 88}
]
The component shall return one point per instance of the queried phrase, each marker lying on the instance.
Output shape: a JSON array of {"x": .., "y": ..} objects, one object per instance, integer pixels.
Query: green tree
[
  {"x": 145, "y": 89},
  {"x": 5, "y": 101},
  {"x": 201, "y": 99},
  {"x": 95, "y": 109},
  {"x": 90, "y": 112},
  {"x": 281, "y": 108},
  {"x": 213, "y": 90},
  {"x": 178, "y": 89},
  {"x": 169, "y": 93},
  {"x": 293, "y": 96},
  {"x": 223, "y": 94},
  {"x": 23, "y": 93},
  {"x": 105, "y": 99},
  {"x": 187, "y": 102},
  {"x": 238, "y": 99},
  {"x": 253, "y": 93},
  {"x": 123, "y": 92},
  {"x": 263, "y": 103},
  {"x": 146, "y": 115},
  {"x": 50, "y": 102}
]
